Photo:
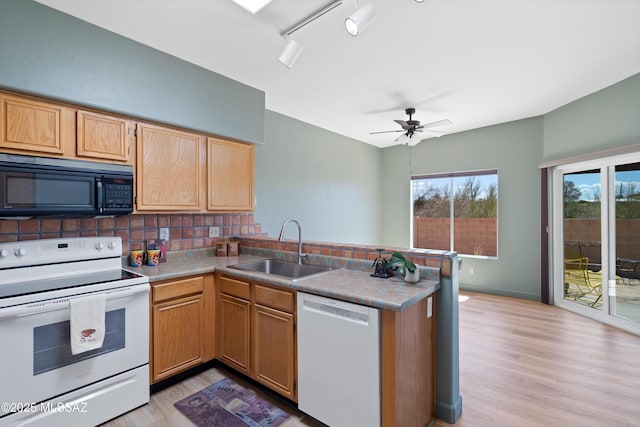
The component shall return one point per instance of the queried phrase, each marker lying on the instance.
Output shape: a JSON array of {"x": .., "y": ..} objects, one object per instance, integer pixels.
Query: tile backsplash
[
  {"x": 191, "y": 231},
  {"x": 186, "y": 231}
]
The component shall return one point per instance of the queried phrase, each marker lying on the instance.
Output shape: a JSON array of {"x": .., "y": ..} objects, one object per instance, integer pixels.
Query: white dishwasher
[{"x": 338, "y": 361}]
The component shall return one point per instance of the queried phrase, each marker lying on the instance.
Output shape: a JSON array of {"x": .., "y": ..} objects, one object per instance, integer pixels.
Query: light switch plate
[
  {"x": 164, "y": 233},
  {"x": 214, "y": 231}
]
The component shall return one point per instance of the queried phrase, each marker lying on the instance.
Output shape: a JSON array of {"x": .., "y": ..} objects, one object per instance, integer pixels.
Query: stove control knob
[
  {"x": 111, "y": 245},
  {"x": 21, "y": 252},
  {"x": 4, "y": 253},
  {"x": 99, "y": 246}
]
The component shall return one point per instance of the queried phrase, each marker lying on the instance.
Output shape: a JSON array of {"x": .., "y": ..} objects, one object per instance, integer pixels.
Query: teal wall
[
  {"x": 606, "y": 119},
  {"x": 49, "y": 53},
  {"x": 609, "y": 118},
  {"x": 329, "y": 182},
  {"x": 340, "y": 189},
  {"x": 515, "y": 150}
]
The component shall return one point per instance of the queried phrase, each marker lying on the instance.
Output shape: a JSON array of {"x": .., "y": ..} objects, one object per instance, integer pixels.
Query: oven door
[{"x": 36, "y": 354}]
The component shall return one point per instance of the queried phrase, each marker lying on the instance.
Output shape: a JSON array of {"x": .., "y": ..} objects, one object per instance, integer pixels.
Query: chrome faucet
[{"x": 281, "y": 237}]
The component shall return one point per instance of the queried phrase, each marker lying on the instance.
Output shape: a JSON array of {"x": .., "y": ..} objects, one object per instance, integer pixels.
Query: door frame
[{"x": 555, "y": 174}]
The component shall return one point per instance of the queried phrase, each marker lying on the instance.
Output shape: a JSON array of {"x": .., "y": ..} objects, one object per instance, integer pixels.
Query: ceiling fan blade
[
  {"x": 406, "y": 137},
  {"x": 402, "y": 123},
  {"x": 436, "y": 133},
  {"x": 434, "y": 124},
  {"x": 386, "y": 131}
]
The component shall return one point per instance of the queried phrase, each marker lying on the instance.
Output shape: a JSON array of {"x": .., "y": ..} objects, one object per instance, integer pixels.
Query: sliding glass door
[
  {"x": 596, "y": 239},
  {"x": 625, "y": 302},
  {"x": 582, "y": 224}
]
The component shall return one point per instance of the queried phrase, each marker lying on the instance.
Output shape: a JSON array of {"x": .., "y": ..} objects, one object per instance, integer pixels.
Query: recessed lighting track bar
[{"x": 312, "y": 17}]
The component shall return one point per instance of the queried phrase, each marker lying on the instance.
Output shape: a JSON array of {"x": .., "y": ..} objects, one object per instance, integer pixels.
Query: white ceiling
[{"x": 474, "y": 62}]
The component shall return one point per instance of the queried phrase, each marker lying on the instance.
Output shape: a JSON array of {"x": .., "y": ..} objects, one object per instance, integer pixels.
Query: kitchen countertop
[{"x": 344, "y": 284}]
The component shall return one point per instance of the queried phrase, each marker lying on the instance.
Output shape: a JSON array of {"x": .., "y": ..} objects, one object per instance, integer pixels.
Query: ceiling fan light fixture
[
  {"x": 360, "y": 19},
  {"x": 413, "y": 140},
  {"x": 402, "y": 139},
  {"x": 290, "y": 53}
]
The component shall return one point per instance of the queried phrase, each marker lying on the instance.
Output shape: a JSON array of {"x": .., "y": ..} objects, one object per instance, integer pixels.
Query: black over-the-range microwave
[{"x": 39, "y": 186}]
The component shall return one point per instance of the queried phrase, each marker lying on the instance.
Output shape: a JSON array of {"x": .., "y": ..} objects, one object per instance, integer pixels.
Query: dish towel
[{"x": 87, "y": 322}]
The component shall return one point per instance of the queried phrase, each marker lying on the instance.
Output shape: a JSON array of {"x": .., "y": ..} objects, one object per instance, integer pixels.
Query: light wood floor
[
  {"x": 522, "y": 363},
  {"x": 160, "y": 412}
]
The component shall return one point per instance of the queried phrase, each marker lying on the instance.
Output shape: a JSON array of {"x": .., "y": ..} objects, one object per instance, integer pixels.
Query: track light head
[
  {"x": 290, "y": 53},
  {"x": 359, "y": 20}
]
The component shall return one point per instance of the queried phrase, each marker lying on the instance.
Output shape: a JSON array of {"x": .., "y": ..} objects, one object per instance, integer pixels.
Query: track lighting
[
  {"x": 290, "y": 53},
  {"x": 293, "y": 49},
  {"x": 310, "y": 18},
  {"x": 359, "y": 20}
]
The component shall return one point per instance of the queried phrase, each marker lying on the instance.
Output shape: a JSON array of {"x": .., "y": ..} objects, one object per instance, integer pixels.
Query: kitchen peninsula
[{"x": 419, "y": 353}]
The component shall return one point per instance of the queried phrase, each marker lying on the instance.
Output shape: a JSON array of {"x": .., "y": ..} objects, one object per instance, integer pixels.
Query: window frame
[{"x": 452, "y": 176}]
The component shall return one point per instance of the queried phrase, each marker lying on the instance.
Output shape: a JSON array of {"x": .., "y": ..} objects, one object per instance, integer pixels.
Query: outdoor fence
[{"x": 473, "y": 236}]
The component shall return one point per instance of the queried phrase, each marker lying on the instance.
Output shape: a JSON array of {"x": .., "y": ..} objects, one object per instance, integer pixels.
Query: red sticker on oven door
[{"x": 87, "y": 332}]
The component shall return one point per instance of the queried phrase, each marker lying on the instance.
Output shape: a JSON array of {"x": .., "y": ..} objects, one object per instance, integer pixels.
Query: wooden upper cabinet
[
  {"x": 103, "y": 137},
  {"x": 230, "y": 175},
  {"x": 28, "y": 125},
  {"x": 169, "y": 169}
]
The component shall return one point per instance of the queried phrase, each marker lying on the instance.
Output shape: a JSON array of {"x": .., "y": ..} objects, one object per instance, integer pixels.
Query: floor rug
[{"x": 226, "y": 404}]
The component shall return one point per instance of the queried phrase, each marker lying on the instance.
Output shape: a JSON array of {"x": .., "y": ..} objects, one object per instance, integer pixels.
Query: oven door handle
[{"x": 63, "y": 303}]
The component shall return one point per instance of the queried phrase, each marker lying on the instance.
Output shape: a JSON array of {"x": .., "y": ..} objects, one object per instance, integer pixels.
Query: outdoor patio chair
[{"x": 579, "y": 281}]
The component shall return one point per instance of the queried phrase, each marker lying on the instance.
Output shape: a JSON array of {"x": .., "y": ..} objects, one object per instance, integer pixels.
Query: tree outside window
[{"x": 457, "y": 212}]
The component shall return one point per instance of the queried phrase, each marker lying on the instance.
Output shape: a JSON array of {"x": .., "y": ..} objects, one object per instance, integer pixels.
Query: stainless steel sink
[{"x": 281, "y": 268}]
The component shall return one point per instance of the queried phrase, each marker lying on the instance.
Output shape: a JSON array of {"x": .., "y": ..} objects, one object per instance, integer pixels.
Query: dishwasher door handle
[{"x": 361, "y": 317}]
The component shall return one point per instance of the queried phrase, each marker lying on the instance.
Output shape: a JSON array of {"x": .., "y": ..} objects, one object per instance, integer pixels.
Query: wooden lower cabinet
[
  {"x": 274, "y": 350},
  {"x": 233, "y": 331},
  {"x": 181, "y": 332},
  {"x": 256, "y": 332},
  {"x": 408, "y": 371},
  {"x": 177, "y": 336},
  {"x": 251, "y": 327}
]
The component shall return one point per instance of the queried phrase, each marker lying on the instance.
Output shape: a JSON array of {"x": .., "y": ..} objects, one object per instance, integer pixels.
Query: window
[{"x": 456, "y": 212}]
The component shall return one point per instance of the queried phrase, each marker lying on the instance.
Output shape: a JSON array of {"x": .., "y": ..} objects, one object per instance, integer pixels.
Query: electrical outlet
[
  {"x": 164, "y": 233},
  {"x": 471, "y": 270},
  {"x": 214, "y": 231}
]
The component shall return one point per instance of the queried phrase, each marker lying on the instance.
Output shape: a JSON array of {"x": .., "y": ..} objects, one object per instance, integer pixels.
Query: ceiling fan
[{"x": 411, "y": 127}]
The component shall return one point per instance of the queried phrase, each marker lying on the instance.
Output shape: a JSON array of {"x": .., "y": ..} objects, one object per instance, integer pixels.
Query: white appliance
[
  {"x": 338, "y": 361},
  {"x": 42, "y": 382}
]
